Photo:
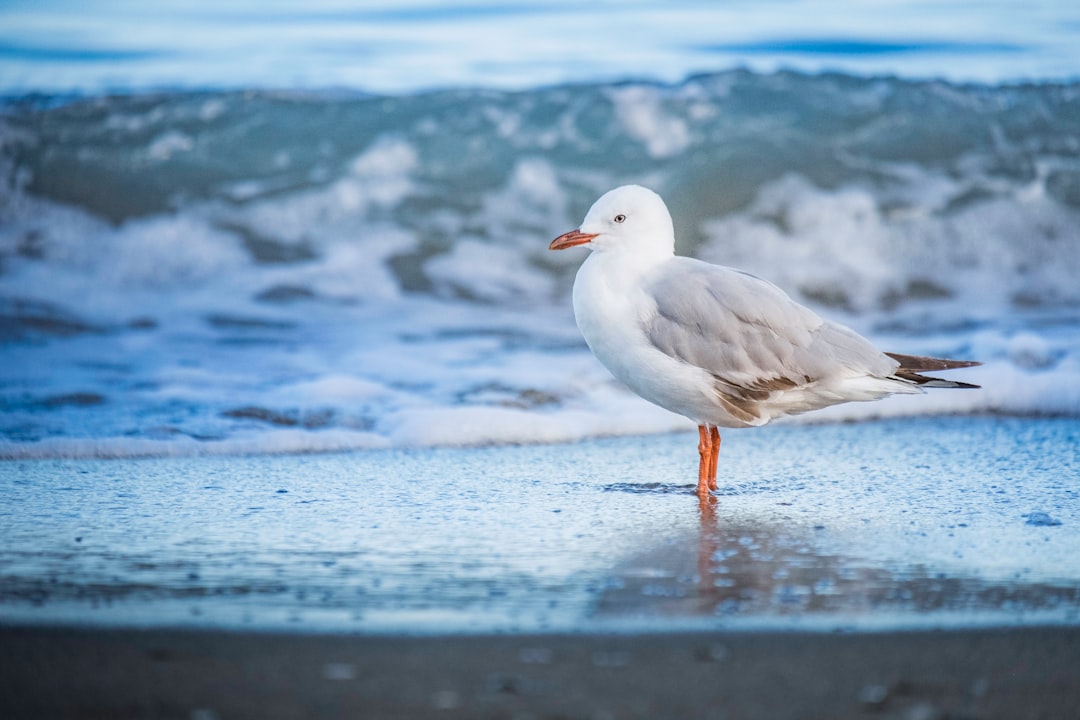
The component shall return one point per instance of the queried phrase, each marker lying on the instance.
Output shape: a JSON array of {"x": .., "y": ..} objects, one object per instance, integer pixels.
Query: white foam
[
  {"x": 639, "y": 111},
  {"x": 488, "y": 272},
  {"x": 815, "y": 242},
  {"x": 533, "y": 196},
  {"x": 334, "y": 389},
  {"x": 287, "y": 441},
  {"x": 168, "y": 144},
  {"x": 621, "y": 414}
]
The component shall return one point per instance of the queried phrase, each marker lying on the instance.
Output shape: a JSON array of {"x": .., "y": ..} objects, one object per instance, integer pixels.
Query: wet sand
[{"x": 202, "y": 675}]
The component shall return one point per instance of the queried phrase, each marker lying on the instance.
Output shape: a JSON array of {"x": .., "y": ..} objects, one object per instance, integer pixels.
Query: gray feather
[{"x": 749, "y": 334}]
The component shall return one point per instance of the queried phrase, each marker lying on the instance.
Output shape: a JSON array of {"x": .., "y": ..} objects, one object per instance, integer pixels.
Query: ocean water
[
  {"x": 282, "y": 344},
  {"x": 259, "y": 228},
  {"x": 904, "y": 523},
  {"x": 386, "y": 46},
  {"x": 267, "y": 271}
]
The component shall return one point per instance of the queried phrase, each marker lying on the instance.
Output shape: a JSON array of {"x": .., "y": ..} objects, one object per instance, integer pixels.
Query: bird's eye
[{"x": 620, "y": 218}]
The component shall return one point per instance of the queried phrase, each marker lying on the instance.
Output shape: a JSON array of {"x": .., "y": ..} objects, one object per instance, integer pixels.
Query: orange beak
[{"x": 570, "y": 239}]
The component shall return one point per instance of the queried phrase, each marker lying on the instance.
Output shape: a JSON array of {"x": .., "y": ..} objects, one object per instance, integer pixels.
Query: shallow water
[
  {"x": 916, "y": 522},
  {"x": 244, "y": 254}
]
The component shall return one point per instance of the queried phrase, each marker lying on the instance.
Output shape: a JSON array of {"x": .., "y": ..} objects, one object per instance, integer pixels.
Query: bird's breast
[
  {"x": 608, "y": 311},
  {"x": 611, "y": 315}
]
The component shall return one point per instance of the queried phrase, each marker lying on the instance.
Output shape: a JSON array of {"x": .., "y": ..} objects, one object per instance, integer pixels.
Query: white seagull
[{"x": 715, "y": 344}]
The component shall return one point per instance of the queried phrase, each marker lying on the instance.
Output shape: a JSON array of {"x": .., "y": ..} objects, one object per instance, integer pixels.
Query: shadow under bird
[{"x": 717, "y": 345}]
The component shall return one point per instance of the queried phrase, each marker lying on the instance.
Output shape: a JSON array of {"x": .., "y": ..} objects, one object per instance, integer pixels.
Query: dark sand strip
[{"x": 196, "y": 675}]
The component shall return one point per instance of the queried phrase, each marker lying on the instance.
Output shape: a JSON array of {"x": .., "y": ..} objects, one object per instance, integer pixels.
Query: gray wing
[{"x": 749, "y": 335}]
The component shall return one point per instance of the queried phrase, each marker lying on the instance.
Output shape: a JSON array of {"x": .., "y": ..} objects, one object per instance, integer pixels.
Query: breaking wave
[{"x": 258, "y": 272}]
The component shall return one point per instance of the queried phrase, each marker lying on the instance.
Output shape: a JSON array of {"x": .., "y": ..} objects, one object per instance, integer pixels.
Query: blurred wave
[{"x": 264, "y": 271}]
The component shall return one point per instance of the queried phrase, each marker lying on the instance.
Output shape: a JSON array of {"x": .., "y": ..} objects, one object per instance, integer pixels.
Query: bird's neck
[{"x": 619, "y": 268}]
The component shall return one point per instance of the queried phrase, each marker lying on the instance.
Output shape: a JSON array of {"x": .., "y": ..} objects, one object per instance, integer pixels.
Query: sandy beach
[{"x": 1007, "y": 673}]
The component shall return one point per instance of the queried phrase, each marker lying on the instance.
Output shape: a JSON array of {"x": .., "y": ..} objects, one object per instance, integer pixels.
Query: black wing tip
[
  {"x": 952, "y": 384},
  {"x": 920, "y": 362},
  {"x": 933, "y": 382},
  {"x": 912, "y": 365}
]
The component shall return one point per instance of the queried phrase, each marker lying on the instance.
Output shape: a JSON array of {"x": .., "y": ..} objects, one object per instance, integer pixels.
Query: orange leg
[
  {"x": 705, "y": 453},
  {"x": 714, "y": 445}
]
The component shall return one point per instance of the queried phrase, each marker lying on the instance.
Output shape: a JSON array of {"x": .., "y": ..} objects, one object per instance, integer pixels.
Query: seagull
[{"x": 717, "y": 345}]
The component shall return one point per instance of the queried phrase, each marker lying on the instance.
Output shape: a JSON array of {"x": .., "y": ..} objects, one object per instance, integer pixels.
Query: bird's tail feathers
[{"x": 912, "y": 365}]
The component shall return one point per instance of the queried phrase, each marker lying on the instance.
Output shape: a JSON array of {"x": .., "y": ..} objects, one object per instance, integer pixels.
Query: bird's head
[{"x": 630, "y": 218}]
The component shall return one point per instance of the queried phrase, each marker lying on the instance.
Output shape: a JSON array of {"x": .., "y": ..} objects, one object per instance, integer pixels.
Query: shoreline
[
  {"x": 988, "y": 673},
  {"x": 870, "y": 526},
  {"x": 321, "y": 443}
]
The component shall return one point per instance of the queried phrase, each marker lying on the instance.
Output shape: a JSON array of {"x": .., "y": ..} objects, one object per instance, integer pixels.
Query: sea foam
[{"x": 196, "y": 273}]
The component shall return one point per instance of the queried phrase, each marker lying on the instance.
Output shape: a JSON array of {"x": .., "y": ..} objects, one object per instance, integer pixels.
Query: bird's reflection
[{"x": 732, "y": 568}]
